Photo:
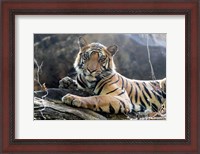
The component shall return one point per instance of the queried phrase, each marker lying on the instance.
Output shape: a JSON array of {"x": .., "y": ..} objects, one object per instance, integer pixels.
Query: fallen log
[{"x": 41, "y": 105}]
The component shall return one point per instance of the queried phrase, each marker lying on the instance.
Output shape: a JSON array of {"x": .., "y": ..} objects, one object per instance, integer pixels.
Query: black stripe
[
  {"x": 114, "y": 81},
  {"x": 121, "y": 93},
  {"x": 112, "y": 110},
  {"x": 131, "y": 100},
  {"x": 100, "y": 109},
  {"x": 122, "y": 103},
  {"x": 120, "y": 107},
  {"x": 104, "y": 83},
  {"x": 142, "y": 105},
  {"x": 112, "y": 91},
  {"x": 102, "y": 87},
  {"x": 146, "y": 99},
  {"x": 163, "y": 94},
  {"x": 122, "y": 82},
  {"x": 154, "y": 107},
  {"x": 108, "y": 62},
  {"x": 130, "y": 90},
  {"x": 80, "y": 83},
  {"x": 159, "y": 92},
  {"x": 164, "y": 87},
  {"x": 80, "y": 65},
  {"x": 126, "y": 83},
  {"x": 138, "y": 85},
  {"x": 99, "y": 79},
  {"x": 106, "y": 80},
  {"x": 104, "y": 67},
  {"x": 147, "y": 91},
  {"x": 153, "y": 83},
  {"x": 133, "y": 105},
  {"x": 136, "y": 95},
  {"x": 157, "y": 96},
  {"x": 82, "y": 80},
  {"x": 159, "y": 99}
]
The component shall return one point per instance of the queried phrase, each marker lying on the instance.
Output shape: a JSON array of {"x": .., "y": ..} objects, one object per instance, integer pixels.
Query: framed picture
[{"x": 100, "y": 47}]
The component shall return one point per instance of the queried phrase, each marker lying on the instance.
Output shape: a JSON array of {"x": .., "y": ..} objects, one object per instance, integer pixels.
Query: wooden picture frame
[{"x": 190, "y": 9}]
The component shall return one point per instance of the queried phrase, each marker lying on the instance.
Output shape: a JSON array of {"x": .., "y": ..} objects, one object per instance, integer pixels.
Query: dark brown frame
[{"x": 9, "y": 9}]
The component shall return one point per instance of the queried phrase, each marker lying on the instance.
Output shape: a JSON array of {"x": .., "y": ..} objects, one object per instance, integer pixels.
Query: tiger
[{"x": 112, "y": 92}]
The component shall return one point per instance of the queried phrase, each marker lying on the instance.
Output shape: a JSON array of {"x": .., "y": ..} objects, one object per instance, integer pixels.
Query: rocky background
[
  {"x": 54, "y": 55},
  {"x": 57, "y": 53}
]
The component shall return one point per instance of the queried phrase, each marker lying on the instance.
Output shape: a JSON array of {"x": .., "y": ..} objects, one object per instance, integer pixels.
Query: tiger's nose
[{"x": 90, "y": 70}]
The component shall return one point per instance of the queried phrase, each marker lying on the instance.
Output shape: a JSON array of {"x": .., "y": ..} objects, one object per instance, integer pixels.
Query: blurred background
[{"x": 57, "y": 52}]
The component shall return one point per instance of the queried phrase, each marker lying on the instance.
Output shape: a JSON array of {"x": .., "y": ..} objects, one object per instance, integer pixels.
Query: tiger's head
[{"x": 94, "y": 60}]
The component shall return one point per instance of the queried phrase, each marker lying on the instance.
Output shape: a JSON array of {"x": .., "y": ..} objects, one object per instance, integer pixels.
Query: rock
[{"x": 47, "y": 110}]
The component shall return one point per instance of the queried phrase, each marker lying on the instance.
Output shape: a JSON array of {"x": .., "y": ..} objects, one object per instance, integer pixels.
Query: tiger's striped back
[{"x": 144, "y": 95}]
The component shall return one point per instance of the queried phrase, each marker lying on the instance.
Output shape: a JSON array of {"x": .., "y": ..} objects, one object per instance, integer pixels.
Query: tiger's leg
[
  {"x": 106, "y": 103},
  {"x": 67, "y": 83}
]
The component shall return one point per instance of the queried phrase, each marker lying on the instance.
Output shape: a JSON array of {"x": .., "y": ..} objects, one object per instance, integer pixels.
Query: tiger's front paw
[
  {"x": 72, "y": 100},
  {"x": 67, "y": 83}
]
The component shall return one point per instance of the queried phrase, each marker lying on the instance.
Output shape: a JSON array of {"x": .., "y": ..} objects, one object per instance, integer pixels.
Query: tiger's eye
[
  {"x": 86, "y": 56},
  {"x": 102, "y": 58}
]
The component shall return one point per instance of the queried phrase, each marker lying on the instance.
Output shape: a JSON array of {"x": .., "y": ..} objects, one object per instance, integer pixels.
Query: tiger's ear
[
  {"x": 82, "y": 42},
  {"x": 112, "y": 49}
]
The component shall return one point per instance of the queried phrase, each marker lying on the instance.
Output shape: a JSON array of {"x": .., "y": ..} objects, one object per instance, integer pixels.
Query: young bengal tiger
[{"x": 113, "y": 93}]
